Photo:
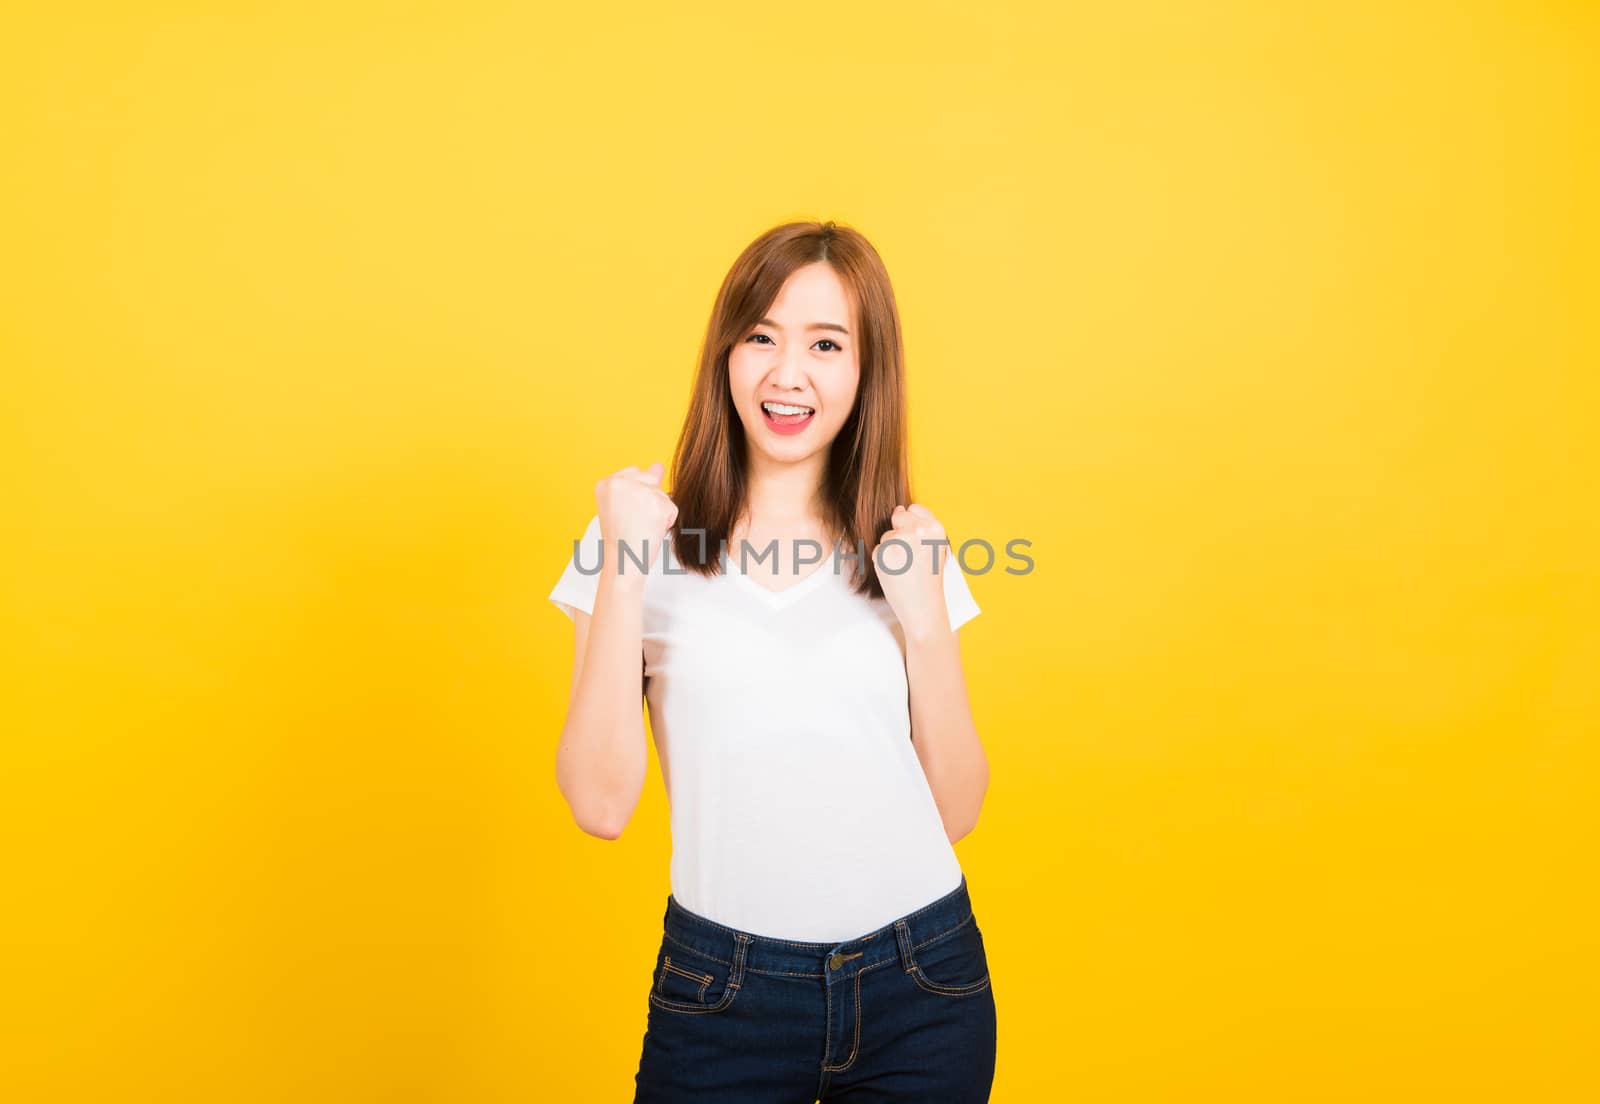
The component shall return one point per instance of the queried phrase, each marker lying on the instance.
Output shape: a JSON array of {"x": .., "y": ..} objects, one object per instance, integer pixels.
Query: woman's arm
[
  {"x": 942, "y": 729},
  {"x": 601, "y": 758},
  {"x": 930, "y": 599}
]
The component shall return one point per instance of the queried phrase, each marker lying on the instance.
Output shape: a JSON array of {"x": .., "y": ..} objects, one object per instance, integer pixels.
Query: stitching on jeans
[
  {"x": 819, "y": 947},
  {"x": 935, "y": 988},
  {"x": 707, "y": 978},
  {"x": 764, "y": 939},
  {"x": 898, "y": 927},
  {"x": 948, "y": 990},
  {"x": 729, "y": 991},
  {"x": 946, "y": 932},
  {"x": 855, "y": 1045},
  {"x": 924, "y": 982},
  {"x": 827, "y": 1027},
  {"x": 780, "y": 973},
  {"x": 672, "y": 1006},
  {"x": 667, "y": 967},
  {"x": 696, "y": 918},
  {"x": 697, "y": 950},
  {"x": 797, "y": 973},
  {"x": 902, "y": 934}
]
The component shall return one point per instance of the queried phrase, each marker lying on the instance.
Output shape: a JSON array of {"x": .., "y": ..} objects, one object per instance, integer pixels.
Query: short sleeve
[
  {"x": 575, "y": 590},
  {"x": 958, "y": 600}
]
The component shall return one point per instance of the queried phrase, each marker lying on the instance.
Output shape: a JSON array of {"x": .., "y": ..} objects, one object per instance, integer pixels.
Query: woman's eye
[{"x": 820, "y": 341}]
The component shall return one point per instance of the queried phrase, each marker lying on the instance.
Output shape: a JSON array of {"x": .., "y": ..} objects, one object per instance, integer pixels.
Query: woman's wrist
[{"x": 624, "y": 579}]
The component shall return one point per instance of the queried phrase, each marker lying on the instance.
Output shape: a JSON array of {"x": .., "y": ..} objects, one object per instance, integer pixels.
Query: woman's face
[{"x": 802, "y": 353}]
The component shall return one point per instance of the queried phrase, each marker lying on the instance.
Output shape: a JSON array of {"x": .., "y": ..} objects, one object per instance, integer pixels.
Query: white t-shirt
[{"x": 798, "y": 807}]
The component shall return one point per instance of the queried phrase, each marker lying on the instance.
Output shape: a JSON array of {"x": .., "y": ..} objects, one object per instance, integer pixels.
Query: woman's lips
[{"x": 787, "y": 424}]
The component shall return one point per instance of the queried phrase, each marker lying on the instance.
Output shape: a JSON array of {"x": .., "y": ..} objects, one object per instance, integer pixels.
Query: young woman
[{"x": 809, "y": 708}]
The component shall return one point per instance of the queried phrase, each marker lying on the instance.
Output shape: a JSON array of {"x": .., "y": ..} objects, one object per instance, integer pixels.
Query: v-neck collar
[{"x": 789, "y": 595}]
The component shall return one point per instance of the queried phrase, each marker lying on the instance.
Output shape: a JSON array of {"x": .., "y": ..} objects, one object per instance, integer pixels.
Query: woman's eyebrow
[{"x": 811, "y": 326}]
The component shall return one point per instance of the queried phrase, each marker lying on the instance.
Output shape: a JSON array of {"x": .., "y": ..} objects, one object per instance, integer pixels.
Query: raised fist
[{"x": 634, "y": 510}]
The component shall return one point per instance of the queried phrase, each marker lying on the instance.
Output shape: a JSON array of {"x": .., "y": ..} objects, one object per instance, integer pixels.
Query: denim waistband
[{"x": 761, "y": 954}]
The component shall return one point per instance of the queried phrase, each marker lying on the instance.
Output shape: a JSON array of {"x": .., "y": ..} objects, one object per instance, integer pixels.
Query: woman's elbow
[
  {"x": 959, "y": 833},
  {"x": 603, "y": 820},
  {"x": 601, "y": 811}
]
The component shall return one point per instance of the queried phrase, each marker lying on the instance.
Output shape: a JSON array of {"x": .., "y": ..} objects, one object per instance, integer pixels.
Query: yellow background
[{"x": 1271, "y": 326}]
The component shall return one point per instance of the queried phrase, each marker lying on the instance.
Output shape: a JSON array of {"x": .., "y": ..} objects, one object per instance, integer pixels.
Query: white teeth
[{"x": 784, "y": 408}]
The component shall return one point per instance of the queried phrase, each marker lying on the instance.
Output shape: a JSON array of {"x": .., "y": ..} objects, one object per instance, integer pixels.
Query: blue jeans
[{"x": 903, "y": 1013}]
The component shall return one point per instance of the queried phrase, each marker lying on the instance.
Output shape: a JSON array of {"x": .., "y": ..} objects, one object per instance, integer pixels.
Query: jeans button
[{"x": 835, "y": 961}]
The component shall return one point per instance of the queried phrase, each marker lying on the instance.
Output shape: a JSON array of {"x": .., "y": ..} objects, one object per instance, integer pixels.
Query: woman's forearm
[
  {"x": 601, "y": 759},
  {"x": 943, "y": 733}
]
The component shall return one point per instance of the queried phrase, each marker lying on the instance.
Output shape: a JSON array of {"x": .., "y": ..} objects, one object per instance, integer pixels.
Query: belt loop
[
  {"x": 736, "y": 974},
  {"x": 902, "y": 934}
]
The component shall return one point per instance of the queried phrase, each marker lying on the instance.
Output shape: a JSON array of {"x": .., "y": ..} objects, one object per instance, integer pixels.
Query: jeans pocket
[
  {"x": 953, "y": 965},
  {"x": 687, "y": 981}
]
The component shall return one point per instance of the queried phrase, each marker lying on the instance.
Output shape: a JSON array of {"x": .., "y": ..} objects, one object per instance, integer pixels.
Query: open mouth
[{"x": 786, "y": 417}]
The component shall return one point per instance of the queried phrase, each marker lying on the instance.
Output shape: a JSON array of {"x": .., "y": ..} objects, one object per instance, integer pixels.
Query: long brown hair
[{"x": 866, "y": 472}]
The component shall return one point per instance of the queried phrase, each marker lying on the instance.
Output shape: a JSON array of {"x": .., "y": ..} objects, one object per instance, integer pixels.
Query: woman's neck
[{"x": 784, "y": 496}]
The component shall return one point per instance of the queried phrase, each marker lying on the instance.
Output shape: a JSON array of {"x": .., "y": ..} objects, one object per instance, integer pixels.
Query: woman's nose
[{"x": 789, "y": 372}]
